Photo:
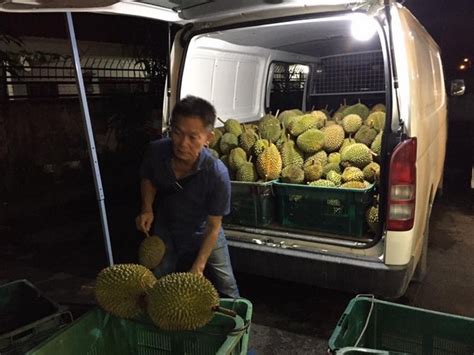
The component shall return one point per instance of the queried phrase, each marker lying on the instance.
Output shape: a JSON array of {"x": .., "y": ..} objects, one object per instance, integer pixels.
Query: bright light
[
  {"x": 363, "y": 27},
  {"x": 465, "y": 60},
  {"x": 462, "y": 67}
]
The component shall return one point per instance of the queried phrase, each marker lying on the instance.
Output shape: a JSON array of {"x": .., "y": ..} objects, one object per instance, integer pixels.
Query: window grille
[
  {"x": 288, "y": 77},
  {"x": 102, "y": 76},
  {"x": 353, "y": 73}
]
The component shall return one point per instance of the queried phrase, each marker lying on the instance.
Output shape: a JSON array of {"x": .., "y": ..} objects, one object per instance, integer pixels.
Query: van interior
[{"x": 307, "y": 64}]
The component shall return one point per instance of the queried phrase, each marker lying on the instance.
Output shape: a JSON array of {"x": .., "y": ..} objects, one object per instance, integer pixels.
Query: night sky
[{"x": 451, "y": 24}]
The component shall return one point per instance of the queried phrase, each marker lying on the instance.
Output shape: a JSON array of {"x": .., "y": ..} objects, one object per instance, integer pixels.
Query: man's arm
[
  {"x": 213, "y": 226},
  {"x": 145, "y": 218}
]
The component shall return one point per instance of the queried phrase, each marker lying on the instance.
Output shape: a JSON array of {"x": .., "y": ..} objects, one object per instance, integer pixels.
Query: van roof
[{"x": 186, "y": 11}]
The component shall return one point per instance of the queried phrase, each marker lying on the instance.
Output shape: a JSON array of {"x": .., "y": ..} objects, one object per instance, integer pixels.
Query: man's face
[{"x": 189, "y": 135}]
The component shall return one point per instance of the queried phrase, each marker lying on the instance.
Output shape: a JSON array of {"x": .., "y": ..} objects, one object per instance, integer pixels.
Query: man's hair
[{"x": 194, "y": 106}]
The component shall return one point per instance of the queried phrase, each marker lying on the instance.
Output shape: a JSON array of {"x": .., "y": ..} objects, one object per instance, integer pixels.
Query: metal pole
[{"x": 90, "y": 137}]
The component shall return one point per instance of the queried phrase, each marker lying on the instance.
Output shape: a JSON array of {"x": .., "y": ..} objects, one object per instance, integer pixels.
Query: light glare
[{"x": 362, "y": 27}]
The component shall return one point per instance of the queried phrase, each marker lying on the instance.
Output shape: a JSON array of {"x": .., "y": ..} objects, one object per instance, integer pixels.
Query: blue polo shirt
[{"x": 182, "y": 206}]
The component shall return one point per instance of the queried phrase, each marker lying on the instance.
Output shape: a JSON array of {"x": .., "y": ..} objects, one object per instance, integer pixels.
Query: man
[{"x": 190, "y": 191}]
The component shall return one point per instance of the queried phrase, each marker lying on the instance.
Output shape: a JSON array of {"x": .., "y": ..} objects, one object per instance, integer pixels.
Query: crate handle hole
[{"x": 23, "y": 335}]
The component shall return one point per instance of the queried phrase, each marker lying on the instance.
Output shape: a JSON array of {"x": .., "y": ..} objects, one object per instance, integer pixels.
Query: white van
[{"x": 252, "y": 57}]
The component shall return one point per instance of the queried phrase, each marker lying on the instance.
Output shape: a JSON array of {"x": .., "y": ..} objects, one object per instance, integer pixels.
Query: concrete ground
[{"x": 60, "y": 252}]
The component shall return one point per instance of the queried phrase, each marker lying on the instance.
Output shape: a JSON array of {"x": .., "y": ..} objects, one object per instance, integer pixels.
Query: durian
[
  {"x": 322, "y": 183},
  {"x": 182, "y": 301},
  {"x": 358, "y": 155},
  {"x": 120, "y": 289},
  {"x": 269, "y": 163},
  {"x": 151, "y": 251},
  {"x": 311, "y": 141}
]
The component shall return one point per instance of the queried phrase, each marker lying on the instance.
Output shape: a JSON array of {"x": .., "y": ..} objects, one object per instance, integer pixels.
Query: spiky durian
[
  {"x": 334, "y": 158},
  {"x": 247, "y": 139},
  {"x": 292, "y": 174},
  {"x": 376, "y": 120},
  {"x": 313, "y": 172},
  {"x": 351, "y": 123},
  {"x": 311, "y": 140},
  {"x": 291, "y": 154},
  {"x": 372, "y": 172},
  {"x": 334, "y": 177},
  {"x": 151, "y": 251},
  {"x": 322, "y": 183},
  {"x": 182, "y": 301},
  {"x": 357, "y": 109},
  {"x": 358, "y": 155},
  {"x": 269, "y": 128},
  {"x": 120, "y": 289},
  {"x": 233, "y": 126},
  {"x": 237, "y": 157},
  {"x": 214, "y": 142},
  {"x": 354, "y": 185},
  {"x": 260, "y": 146},
  {"x": 352, "y": 173},
  {"x": 319, "y": 157},
  {"x": 228, "y": 142},
  {"x": 269, "y": 163},
  {"x": 247, "y": 172},
  {"x": 365, "y": 135},
  {"x": 334, "y": 137},
  {"x": 331, "y": 167},
  {"x": 372, "y": 218}
]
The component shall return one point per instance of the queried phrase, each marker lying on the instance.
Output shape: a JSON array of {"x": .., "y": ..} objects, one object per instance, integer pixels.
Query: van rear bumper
[{"x": 329, "y": 271}]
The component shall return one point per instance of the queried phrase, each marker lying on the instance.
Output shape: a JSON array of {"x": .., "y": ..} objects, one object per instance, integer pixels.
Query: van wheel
[{"x": 422, "y": 266}]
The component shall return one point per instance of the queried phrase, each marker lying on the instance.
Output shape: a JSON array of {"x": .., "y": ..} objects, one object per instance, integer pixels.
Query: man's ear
[{"x": 210, "y": 137}]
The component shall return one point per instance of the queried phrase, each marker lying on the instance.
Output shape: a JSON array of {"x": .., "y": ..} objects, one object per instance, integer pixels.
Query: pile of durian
[
  {"x": 313, "y": 148},
  {"x": 305, "y": 148}
]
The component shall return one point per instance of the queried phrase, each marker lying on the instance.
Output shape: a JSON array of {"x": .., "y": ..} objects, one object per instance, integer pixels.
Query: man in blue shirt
[{"x": 185, "y": 193}]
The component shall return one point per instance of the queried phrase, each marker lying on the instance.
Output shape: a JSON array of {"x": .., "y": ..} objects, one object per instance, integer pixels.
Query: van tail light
[{"x": 402, "y": 187}]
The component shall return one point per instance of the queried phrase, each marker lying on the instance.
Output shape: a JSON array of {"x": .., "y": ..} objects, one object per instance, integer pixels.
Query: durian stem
[
  {"x": 220, "y": 120},
  {"x": 226, "y": 311},
  {"x": 147, "y": 234},
  {"x": 277, "y": 113}
]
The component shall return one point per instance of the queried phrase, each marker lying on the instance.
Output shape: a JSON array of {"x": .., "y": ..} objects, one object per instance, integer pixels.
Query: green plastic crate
[
  {"x": 100, "y": 333},
  {"x": 27, "y": 316},
  {"x": 332, "y": 210},
  {"x": 252, "y": 204},
  {"x": 398, "y": 329}
]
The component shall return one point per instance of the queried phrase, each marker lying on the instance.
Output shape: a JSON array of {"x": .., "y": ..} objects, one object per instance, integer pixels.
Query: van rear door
[{"x": 182, "y": 11}]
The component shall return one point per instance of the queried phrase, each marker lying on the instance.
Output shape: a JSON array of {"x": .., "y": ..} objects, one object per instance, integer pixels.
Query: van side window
[{"x": 287, "y": 84}]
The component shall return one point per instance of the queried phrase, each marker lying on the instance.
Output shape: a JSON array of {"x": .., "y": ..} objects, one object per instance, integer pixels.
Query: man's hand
[
  {"x": 144, "y": 221},
  {"x": 197, "y": 269}
]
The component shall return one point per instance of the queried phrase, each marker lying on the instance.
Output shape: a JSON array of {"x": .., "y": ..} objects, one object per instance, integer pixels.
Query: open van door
[{"x": 180, "y": 11}]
